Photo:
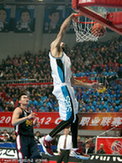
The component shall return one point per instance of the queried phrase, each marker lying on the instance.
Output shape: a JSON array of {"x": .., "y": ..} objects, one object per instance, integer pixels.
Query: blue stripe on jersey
[
  {"x": 67, "y": 102},
  {"x": 60, "y": 70}
]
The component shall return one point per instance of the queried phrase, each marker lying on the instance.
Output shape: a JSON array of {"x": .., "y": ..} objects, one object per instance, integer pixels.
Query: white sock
[
  {"x": 48, "y": 138},
  {"x": 74, "y": 149}
]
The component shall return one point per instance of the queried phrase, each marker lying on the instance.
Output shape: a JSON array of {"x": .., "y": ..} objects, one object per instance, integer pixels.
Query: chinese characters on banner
[
  {"x": 87, "y": 121},
  {"x": 100, "y": 121}
]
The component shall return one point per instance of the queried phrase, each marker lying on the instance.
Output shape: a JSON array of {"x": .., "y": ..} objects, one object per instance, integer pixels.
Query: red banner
[
  {"x": 28, "y": 84},
  {"x": 111, "y": 145},
  {"x": 87, "y": 121},
  {"x": 100, "y": 121},
  {"x": 46, "y": 119}
]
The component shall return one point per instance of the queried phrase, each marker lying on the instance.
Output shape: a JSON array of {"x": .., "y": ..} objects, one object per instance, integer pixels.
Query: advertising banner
[
  {"x": 111, "y": 145},
  {"x": 8, "y": 153},
  {"x": 100, "y": 121},
  {"x": 87, "y": 121}
]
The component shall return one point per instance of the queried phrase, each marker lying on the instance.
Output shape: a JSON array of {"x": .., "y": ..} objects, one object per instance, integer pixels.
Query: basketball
[{"x": 98, "y": 30}]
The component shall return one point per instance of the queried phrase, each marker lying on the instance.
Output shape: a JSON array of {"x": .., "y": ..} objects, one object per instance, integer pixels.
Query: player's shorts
[
  {"x": 26, "y": 148},
  {"x": 67, "y": 101}
]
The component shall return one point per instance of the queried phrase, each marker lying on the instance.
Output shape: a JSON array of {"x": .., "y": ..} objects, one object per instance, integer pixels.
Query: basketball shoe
[
  {"x": 76, "y": 154},
  {"x": 46, "y": 145}
]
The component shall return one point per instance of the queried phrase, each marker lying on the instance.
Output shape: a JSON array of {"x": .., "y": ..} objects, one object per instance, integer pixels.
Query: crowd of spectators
[
  {"x": 86, "y": 145},
  {"x": 26, "y": 66},
  {"x": 96, "y": 61},
  {"x": 86, "y": 142},
  {"x": 6, "y": 136},
  {"x": 42, "y": 99},
  {"x": 88, "y": 59}
]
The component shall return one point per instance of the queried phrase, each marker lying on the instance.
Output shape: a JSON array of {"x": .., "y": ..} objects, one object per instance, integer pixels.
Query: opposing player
[
  {"x": 64, "y": 92},
  {"x": 24, "y": 120}
]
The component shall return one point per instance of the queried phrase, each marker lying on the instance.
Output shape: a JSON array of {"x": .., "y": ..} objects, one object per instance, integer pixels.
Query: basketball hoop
[
  {"x": 83, "y": 28},
  {"x": 105, "y": 13}
]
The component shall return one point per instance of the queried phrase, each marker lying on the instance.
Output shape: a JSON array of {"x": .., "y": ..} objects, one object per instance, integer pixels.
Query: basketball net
[{"x": 83, "y": 29}]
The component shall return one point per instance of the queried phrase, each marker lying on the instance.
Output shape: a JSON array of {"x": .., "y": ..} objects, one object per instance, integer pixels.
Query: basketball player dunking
[{"x": 64, "y": 92}]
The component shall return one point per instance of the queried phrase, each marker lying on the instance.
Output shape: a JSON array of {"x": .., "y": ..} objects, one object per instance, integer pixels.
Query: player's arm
[
  {"x": 79, "y": 83},
  {"x": 56, "y": 43},
  {"x": 16, "y": 114}
]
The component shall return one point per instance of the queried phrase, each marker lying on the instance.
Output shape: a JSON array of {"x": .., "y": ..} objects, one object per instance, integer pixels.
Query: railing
[
  {"x": 25, "y": 81},
  {"x": 22, "y": 82}
]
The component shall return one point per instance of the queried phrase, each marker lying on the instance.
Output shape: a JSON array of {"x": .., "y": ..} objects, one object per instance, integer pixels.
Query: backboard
[{"x": 111, "y": 20}]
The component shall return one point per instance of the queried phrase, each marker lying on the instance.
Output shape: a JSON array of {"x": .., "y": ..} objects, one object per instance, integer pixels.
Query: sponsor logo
[
  {"x": 106, "y": 158},
  {"x": 116, "y": 147},
  {"x": 68, "y": 104},
  {"x": 8, "y": 153}
]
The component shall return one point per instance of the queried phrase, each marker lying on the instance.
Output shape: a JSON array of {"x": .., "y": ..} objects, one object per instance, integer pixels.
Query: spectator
[
  {"x": 101, "y": 149},
  {"x": 5, "y": 138},
  {"x": 64, "y": 146},
  {"x": 80, "y": 145},
  {"x": 37, "y": 136},
  {"x": 5, "y": 133},
  {"x": 88, "y": 149},
  {"x": 12, "y": 137}
]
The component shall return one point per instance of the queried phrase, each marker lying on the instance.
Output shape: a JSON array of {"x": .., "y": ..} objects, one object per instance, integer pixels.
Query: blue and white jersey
[
  {"x": 64, "y": 92},
  {"x": 61, "y": 69}
]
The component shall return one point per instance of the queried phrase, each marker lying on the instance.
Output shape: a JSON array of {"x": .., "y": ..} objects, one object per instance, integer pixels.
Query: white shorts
[{"x": 67, "y": 101}]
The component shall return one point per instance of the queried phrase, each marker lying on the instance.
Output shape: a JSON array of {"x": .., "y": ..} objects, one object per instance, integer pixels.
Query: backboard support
[
  {"x": 106, "y": 3},
  {"x": 107, "y": 21}
]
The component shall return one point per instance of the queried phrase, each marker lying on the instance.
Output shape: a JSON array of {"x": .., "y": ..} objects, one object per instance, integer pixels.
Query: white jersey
[
  {"x": 61, "y": 70},
  {"x": 64, "y": 92}
]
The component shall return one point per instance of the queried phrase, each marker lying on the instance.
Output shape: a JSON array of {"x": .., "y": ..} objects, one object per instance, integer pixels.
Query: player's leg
[
  {"x": 66, "y": 114},
  {"x": 74, "y": 131},
  {"x": 34, "y": 150},
  {"x": 22, "y": 148},
  {"x": 46, "y": 144}
]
